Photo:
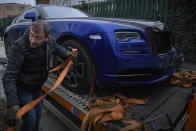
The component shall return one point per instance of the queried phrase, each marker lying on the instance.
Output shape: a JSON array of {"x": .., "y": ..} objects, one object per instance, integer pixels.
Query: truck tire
[{"x": 80, "y": 74}]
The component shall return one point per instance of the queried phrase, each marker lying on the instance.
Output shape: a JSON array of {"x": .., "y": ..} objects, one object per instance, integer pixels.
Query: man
[{"x": 27, "y": 70}]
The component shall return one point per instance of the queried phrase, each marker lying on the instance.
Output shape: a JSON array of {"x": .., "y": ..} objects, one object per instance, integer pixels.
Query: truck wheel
[
  {"x": 7, "y": 44},
  {"x": 80, "y": 74}
]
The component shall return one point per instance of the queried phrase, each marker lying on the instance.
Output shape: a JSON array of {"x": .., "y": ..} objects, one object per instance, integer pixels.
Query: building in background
[
  {"x": 71, "y": 2},
  {"x": 11, "y": 9}
]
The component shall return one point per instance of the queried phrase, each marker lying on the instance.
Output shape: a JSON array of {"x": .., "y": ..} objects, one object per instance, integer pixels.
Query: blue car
[{"x": 114, "y": 52}]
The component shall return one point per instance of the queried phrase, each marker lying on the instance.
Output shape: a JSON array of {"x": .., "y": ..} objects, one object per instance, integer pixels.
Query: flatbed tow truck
[{"x": 166, "y": 108}]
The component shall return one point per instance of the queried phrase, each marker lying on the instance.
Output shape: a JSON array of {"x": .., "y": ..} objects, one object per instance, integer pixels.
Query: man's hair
[{"x": 39, "y": 24}]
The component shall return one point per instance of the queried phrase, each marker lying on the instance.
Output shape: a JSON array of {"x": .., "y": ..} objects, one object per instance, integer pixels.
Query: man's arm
[
  {"x": 15, "y": 61},
  {"x": 58, "y": 50}
]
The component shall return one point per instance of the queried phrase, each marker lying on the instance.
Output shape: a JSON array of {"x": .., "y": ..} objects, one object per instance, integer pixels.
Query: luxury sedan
[{"x": 111, "y": 51}]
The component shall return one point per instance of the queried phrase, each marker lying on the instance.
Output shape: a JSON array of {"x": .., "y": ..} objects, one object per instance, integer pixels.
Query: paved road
[{"x": 48, "y": 121}]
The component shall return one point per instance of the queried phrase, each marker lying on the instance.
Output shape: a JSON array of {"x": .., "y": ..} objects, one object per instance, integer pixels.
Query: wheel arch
[{"x": 67, "y": 37}]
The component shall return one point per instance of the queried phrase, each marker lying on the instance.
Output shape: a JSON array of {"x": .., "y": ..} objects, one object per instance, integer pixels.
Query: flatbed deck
[{"x": 171, "y": 100}]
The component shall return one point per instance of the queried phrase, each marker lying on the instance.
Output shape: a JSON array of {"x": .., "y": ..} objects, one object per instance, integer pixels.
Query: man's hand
[
  {"x": 11, "y": 115},
  {"x": 70, "y": 53}
]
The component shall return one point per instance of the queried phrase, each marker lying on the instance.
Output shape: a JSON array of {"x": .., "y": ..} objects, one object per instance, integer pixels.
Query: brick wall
[{"x": 11, "y": 9}]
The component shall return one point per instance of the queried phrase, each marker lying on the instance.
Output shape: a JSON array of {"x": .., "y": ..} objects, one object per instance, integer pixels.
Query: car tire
[
  {"x": 7, "y": 44},
  {"x": 81, "y": 74}
]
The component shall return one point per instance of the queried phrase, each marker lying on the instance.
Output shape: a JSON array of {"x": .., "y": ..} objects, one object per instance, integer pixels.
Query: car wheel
[
  {"x": 80, "y": 74},
  {"x": 7, "y": 44}
]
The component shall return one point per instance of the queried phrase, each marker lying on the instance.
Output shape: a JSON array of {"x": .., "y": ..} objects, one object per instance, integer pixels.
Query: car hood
[{"x": 134, "y": 22}]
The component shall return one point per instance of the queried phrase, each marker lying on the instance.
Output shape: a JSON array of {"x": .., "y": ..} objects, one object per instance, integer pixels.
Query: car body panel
[{"x": 106, "y": 51}]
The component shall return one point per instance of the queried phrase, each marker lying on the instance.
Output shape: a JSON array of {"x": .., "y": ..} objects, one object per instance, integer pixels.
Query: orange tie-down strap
[
  {"x": 184, "y": 78},
  {"x": 30, "y": 105},
  {"x": 191, "y": 126},
  {"x": 110, "y": 108}
]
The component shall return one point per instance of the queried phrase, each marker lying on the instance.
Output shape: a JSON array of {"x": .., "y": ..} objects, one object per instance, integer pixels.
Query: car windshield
[{"x": 62, "y": 12}]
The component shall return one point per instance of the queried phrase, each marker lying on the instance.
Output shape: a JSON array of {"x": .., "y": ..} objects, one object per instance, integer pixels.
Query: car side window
[{"x": 21, "y": 18}]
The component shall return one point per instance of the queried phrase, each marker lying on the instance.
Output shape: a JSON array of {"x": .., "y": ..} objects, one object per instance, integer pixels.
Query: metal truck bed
[{"x": 162, "y": 100}]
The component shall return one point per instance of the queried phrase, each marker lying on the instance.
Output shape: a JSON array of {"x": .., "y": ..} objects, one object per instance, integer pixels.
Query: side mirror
[{"x": 30, "y": 15}]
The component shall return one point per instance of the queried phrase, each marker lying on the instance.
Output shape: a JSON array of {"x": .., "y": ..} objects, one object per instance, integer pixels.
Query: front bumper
[
  {"x": 130, "y": 69},
  {"x": 116, "y": 80}
]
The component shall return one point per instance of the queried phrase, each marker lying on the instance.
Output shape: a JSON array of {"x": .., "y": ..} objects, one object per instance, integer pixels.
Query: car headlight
[{"x": 124, "y": 36}]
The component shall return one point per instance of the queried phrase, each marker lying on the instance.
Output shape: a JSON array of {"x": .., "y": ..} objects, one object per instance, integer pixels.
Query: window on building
[
  {"x": 9, "y": 8},
  {"x": 21, "y": 8}
]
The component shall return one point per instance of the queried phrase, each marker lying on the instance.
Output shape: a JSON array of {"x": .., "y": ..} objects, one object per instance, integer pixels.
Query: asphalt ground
[{"x": 49, "y": 122}]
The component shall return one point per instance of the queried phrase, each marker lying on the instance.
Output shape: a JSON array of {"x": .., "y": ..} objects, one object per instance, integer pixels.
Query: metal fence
[
  {"x": 4, "y": 22},
  {"x": 156, "y": 10}
]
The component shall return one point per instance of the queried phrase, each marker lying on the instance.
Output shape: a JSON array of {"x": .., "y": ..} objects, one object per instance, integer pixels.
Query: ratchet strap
[
  {"x": 110, "y": 108},
  {"x": 191, "y": 126},
  {"x": 30, "y": 105},
  {"x": 184, "y": 78},
  {"x": 93, "y": 81}
]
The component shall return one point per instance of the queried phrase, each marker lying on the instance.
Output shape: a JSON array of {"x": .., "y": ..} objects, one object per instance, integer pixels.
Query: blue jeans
[{"x": 30, "y": 119}]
